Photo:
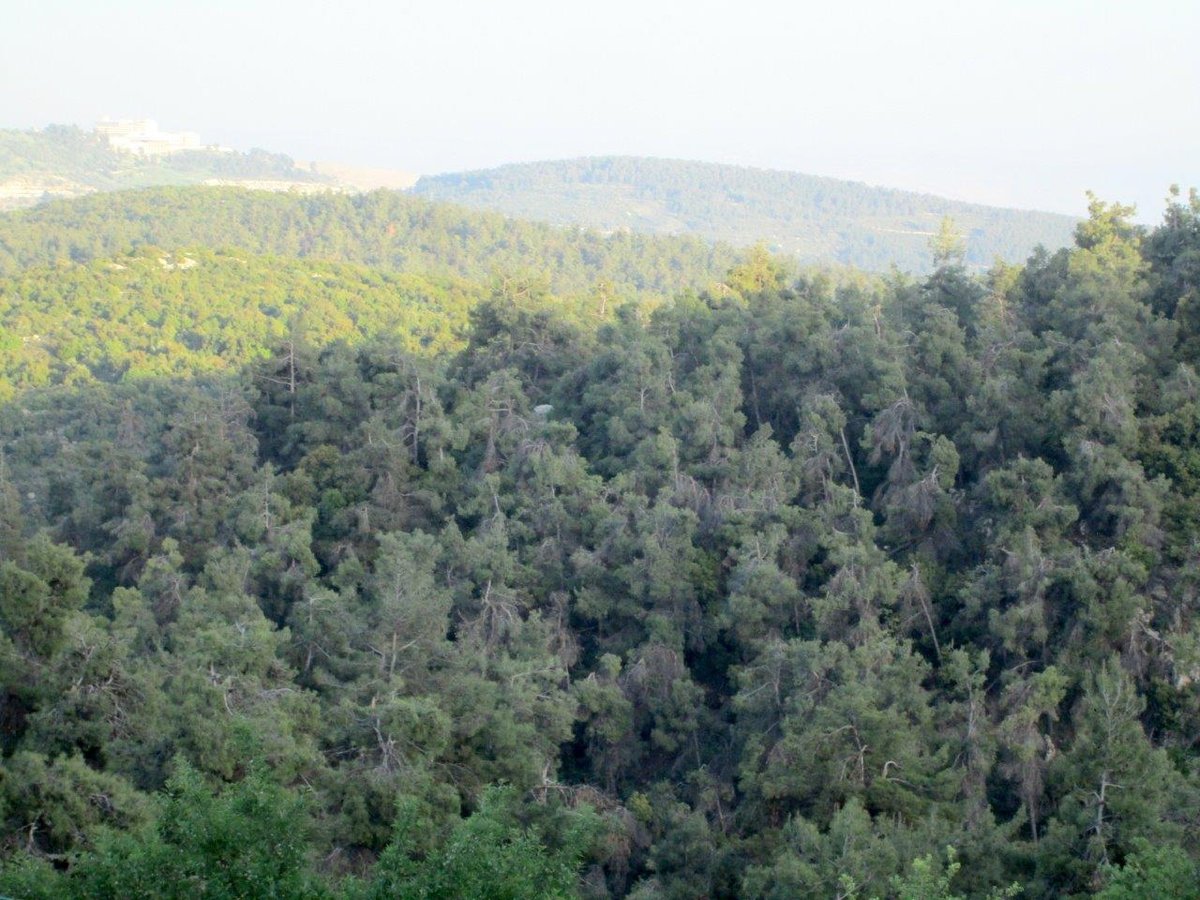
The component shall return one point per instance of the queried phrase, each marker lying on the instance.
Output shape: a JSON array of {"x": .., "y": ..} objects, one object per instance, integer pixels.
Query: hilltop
[
  {"x": 62, "y": 161},
  {"x": 811, "y": 218},
  {"x": 808, "y": 218}
]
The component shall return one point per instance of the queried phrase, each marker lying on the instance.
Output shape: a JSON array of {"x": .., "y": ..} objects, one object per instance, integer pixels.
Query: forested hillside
[
  {"x": 65, "y": 161},
  {"x": 196, "y": 311},
  {"x": 814, "y": 220},
  {"x": 818, "y": 220},
  {"x": 385, "y": 230},
  {"x": 793, "y": 587}
]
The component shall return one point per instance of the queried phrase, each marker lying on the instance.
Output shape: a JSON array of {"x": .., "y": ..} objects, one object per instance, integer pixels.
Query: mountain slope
[
  {"x": 196, "y": 311},
  {"x": 64, "y": 161},
  {"x": 815, "y": 219},
  {"x": 384, "y": 229}
]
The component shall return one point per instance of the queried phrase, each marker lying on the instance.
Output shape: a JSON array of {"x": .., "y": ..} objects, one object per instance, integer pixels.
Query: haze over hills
[
  {"x": 815, "y": 219},
  {"x": 63, "y": 161},
  {"x": 810, "y": 218}
]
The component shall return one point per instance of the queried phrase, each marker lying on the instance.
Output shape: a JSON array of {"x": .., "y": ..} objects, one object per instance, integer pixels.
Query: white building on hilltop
[{"x": 142, "y": 136}]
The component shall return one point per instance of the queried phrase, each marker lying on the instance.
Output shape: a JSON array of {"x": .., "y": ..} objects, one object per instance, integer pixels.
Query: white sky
[{"x": 1007, "y": 102}]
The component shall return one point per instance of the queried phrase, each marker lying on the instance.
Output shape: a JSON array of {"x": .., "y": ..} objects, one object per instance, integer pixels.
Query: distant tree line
[
  {"x": 814, "y": 220},
  {"x": 383, "y": 230}
]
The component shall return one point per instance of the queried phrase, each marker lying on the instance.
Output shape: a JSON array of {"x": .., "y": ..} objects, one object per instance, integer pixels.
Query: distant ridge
[
  {"x": 62, "y": 161},
  {"x": 813, "y": 218}
]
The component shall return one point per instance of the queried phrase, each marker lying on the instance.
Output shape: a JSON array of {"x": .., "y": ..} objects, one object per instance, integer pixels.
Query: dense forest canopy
[
  {"x": 382, "y": 229},
  {"x": 817, "y": 220},
  {"x": 796, "y": 585},
  {"x": 158, "y": 314}
]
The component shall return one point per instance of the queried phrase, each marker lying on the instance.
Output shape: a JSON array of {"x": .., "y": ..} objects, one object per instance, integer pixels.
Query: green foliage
[
  {"x": 815, "y": 219},
  {"x": 158, "y": 314},
  {"x": 929, "y": 880},
  {"x": 247, "y": 841},
  {"x": 780, "y": 589},
  {"x": 1153, "y": 871},
  {"x": 59, "y": 805},
  {"x": 487, "y": 856},
  {"x": 385, "y": 230},
  {"x": 244, "y": 842}
]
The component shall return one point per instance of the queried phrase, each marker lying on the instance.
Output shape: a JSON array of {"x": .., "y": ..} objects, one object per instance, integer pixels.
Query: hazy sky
[{"x": 1015, "y": 103}]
